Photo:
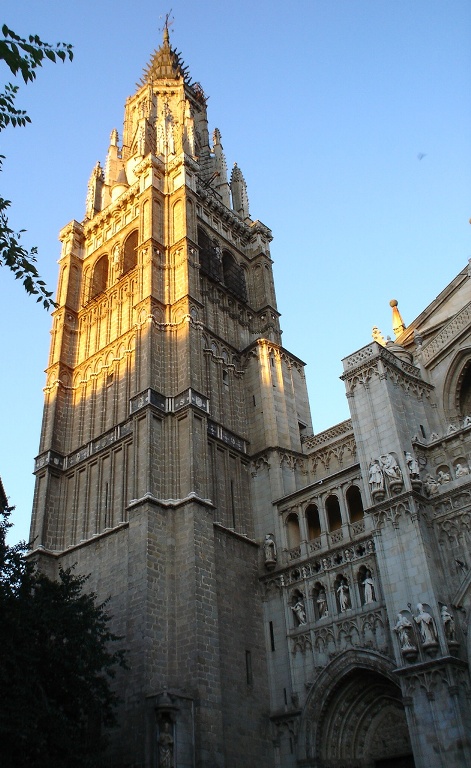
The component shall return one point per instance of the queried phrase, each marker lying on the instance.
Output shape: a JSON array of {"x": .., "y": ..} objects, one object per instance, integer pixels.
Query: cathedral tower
[{"x": 166, "y": 380}]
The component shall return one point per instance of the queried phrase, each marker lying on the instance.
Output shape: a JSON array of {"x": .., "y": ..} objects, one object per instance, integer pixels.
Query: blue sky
[{"x": 324, "y": 105}]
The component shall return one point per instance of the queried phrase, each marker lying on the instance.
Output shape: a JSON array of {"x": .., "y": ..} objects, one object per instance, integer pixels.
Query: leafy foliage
[
  {"x": 22, "y": 57},
  {"x": 55, "y": 666}
]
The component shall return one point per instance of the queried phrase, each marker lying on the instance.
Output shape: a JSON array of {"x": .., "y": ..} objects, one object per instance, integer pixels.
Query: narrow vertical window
[{"x": 272, "y": 636}]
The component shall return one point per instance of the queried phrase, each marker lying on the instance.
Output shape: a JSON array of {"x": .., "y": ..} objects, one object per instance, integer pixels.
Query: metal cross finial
[{"x": 168, "y": 23}]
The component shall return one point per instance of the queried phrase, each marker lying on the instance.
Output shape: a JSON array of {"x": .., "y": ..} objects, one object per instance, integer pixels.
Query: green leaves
[
  {"x": 57, "y": 658},
  {"x": 25, "y": 56},
  {"x": 21, "y": 261},
  {"x": 22, "y": 57}
]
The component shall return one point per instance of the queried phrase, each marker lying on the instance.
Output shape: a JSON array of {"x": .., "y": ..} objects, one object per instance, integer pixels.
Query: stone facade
[{"x": 286, "y": 599}]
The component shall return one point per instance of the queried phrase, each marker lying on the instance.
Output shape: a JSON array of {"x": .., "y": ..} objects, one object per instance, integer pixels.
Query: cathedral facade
[{"x": 286, "y": 599}]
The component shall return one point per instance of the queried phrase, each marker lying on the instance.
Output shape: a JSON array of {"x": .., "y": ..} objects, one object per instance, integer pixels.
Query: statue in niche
[
  {"x": 390, "y": 466},
  {"x": 405, "y": 633},
  {"x": 448, "y": 624},
  {"x": 461, "y": 470},
  {"x": 443, "y": 477},
  {"x": 322, "y": 608},
  {"x": 369, "y": 587},
  {"x": 269, "y": 548},
  {"x": 375, "y": 477},
  {"x": 299, "y": 611},
  {"x": 412, "y": 466},
  {"x": 426, "y": 624},
  {"x": 431, "y": 485},
  {"x": 165, "y": 745},
  {"x": 343, "y": 593}
]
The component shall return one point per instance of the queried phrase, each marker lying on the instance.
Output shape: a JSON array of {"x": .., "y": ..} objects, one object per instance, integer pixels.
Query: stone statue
[
  {"x": 412, "y": 466},
  {"x": 369, "y": 587},
  {"x": 344, "y": 596},
  {"x": 165, "y": 745},
  {"x": 269, "y": 548},
  {"x": 426, "y": 624},
  {"x": 448, "y": 623},
  {"x": 405, "y": 633},
  {"x": 443, "y": 477},
  {"x": 467, "y": 421},
  {"x": 299, "y": 611},
  {"x": 390, "y": 466},
  {"x": 375, "y": 477},
  {"x": 431, "y": 485},
  {"x": 461, "y": 470},
  {"x": 322, "y": 608}
]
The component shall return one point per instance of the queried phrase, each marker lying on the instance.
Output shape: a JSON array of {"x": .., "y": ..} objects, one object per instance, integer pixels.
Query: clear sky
[{"x": 324, "y": 104}]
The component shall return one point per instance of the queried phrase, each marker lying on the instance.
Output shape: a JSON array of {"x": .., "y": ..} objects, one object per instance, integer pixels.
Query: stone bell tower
[{"x": 166, "y": 379}]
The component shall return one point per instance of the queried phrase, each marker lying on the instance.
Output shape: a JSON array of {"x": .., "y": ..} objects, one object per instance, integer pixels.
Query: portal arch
[{"x": 354, "y": 715}]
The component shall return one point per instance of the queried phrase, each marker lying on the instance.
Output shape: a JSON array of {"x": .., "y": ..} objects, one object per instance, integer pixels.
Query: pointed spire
[
  {"x": 398, "y": 324},
  {"x": 166, "y": 63},
  {"x": 240, "y": 200},
  {"x": 221, "y": 184},
  {"x": 94, "y": 194}
]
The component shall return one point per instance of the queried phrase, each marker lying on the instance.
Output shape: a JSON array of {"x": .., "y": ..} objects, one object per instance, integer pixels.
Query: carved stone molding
[
  {"x": 447, "y": 334},
  {"x": 311, "y": 442}
]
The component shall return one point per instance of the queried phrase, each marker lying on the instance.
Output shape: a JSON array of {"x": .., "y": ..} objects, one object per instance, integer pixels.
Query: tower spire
[{"x": 398, "y": 324}]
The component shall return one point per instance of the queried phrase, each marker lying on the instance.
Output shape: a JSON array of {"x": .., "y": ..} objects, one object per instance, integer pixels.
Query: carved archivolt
[{"x": 347, "y": 707}]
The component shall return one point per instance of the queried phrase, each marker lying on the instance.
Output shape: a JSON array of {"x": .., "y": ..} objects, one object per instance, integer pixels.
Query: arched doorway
[{"x": 354, "y": 716}]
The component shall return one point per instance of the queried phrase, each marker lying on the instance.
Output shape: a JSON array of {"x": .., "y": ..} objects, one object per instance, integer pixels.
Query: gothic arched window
[
  {"x": 354, "y": 504},
  {"x": 292, "y": 531},
  {"x": 312, "y": 522},
  {"x": 334, "y": 518},
  {"x": 233, "y": 276},
  {"x": 130, "y": 252},
  {"x": 100, "y": 276},
  {"x": 465, "y": 392}
]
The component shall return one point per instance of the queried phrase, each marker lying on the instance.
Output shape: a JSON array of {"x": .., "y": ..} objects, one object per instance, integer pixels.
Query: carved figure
[
  {"x": 448, "y": 623},
  {"x": 404, "y": 630},
  {"x": 467, "y": 421},
  {"x": 165, "y": 746},
  {"x": 431, "y": 486},
  {"x": 375, "y": 477},
  {"x": 443, "y": 477},
  {"x": 299, "y": 611},
  {"x": 412, "y": 466},
  {"x": 426, "y": 624},
  {"x": 390, "y": 466},
  {"x": 344, "y": 596},
  {"x": 434, "y": 436},
  {"x": 322, "y": 608},
  {"x": 369, "y": 587},
  {"x": 451, "y": 429},
  {"x": 461, "y": 470},
  {"x": 270, "y": 548}
]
